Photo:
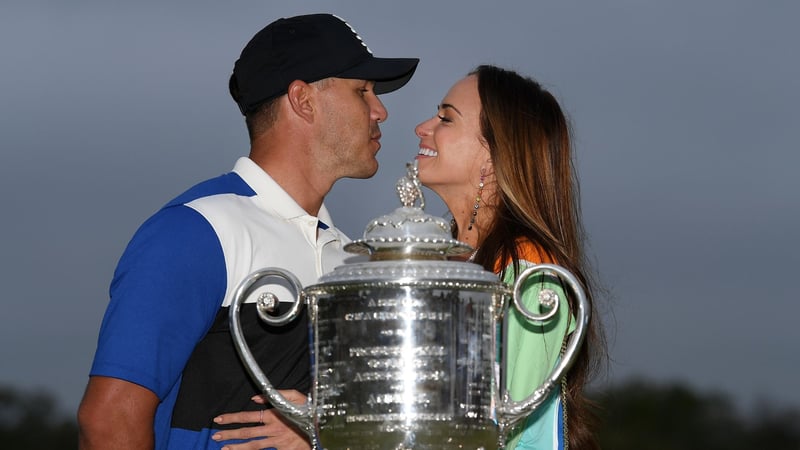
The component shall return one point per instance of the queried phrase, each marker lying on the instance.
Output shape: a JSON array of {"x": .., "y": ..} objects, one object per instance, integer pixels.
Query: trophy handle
[
  {"x": 513, "y": 411},
  {"x": 299, "y": 415}
]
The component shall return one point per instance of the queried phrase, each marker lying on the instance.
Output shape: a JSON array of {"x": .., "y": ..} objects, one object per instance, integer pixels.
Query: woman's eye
[{"x": 443, "y": 118}]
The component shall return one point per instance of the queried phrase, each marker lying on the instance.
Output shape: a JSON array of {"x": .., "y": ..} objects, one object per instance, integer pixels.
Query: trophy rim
[{"x": 409, "y": 245}]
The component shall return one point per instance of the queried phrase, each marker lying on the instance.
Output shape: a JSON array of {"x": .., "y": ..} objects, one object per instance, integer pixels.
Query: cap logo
[{"x": 354, "y": 32}]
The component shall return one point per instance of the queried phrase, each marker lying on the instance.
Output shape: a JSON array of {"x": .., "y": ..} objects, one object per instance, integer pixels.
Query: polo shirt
[{"x": 166, "y": 325}]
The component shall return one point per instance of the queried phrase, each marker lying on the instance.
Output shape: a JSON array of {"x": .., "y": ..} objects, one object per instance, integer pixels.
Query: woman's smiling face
[{"x": 451, "y": 148}]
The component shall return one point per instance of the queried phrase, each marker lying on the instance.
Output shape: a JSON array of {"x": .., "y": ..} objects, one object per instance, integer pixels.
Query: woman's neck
[
  {"x": 476, "y": 234},
  {"x": 472, "y": 222}
]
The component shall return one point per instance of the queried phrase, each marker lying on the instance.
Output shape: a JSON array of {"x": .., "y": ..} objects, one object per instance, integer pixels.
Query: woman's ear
[{"x": 487, "y": 165}]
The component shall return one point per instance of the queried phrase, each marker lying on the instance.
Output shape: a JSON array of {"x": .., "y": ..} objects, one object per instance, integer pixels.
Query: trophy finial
[{"x": 409, "y": 189}]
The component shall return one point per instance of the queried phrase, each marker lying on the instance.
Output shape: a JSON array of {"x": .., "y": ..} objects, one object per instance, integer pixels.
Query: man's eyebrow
[{"x": 449, "y": 106}]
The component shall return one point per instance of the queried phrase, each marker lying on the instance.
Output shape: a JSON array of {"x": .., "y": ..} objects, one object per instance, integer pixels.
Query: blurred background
[{"x": 686, "y": 131}]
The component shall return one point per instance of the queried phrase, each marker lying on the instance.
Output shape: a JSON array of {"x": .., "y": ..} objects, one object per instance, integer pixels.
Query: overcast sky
[{"x": 686, "y": 118}]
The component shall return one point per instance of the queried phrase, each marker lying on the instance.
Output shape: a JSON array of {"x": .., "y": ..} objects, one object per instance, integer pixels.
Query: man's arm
[{"x": 116, "y": 414}]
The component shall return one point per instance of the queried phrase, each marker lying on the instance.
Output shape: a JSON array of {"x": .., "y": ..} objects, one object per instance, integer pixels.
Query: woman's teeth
[{"x": 428, "y": 152}]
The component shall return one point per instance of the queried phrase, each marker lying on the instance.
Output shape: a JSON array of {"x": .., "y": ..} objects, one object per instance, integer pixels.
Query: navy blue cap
[{"x": 309, "y": 48}]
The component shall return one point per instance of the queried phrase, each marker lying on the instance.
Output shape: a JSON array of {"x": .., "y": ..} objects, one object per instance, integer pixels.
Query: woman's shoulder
[
  {"x": 533, "y": 252},
  {"x": 527, "y": 250}
]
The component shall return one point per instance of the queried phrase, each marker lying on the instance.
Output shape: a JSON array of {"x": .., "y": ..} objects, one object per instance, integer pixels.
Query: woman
[{"x": 498, "y": 153}]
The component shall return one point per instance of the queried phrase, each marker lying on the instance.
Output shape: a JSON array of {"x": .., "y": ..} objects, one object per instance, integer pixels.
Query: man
[{"x": 165, "y": 365}]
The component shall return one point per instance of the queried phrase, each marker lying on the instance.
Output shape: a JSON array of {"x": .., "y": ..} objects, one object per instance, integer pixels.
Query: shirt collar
[{"x": 272, "y": 196}]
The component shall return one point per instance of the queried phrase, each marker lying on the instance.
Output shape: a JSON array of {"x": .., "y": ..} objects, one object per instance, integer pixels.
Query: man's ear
[{"x": 301, "y": 95}]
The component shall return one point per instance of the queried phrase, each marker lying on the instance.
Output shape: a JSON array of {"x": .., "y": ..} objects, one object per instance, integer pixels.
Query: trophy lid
[{"x": 408, "y": 232}]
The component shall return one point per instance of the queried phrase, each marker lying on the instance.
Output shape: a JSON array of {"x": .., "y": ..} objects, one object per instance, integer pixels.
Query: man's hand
[{"x": 275, "y": 431}]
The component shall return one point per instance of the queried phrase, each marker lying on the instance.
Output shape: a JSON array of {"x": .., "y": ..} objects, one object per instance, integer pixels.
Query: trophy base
[{"x": 420, "y": 435}]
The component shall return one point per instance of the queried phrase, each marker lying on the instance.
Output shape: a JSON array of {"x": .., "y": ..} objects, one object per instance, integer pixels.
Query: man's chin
[{"x": 365, "y": 172}]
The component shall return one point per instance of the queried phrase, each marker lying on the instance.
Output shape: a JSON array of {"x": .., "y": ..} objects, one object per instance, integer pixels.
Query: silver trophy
[{"x": 406, "y": 348}]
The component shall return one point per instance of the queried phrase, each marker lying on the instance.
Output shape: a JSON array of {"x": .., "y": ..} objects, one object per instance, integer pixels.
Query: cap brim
[{"x": 389, "y": 74}]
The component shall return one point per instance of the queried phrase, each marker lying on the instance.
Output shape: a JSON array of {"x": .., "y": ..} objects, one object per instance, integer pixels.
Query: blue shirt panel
[{"x": 229, "y": 183}]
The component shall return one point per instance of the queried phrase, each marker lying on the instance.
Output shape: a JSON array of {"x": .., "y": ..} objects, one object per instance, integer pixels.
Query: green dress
[{"x": 533, "y": 350}]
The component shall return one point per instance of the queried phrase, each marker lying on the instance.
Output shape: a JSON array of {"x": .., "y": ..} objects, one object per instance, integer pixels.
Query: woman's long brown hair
[{"x": 538, "y": 200}]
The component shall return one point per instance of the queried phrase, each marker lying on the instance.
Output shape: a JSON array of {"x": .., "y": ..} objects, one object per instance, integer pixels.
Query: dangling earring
[{"x": 477, "y": 199}]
